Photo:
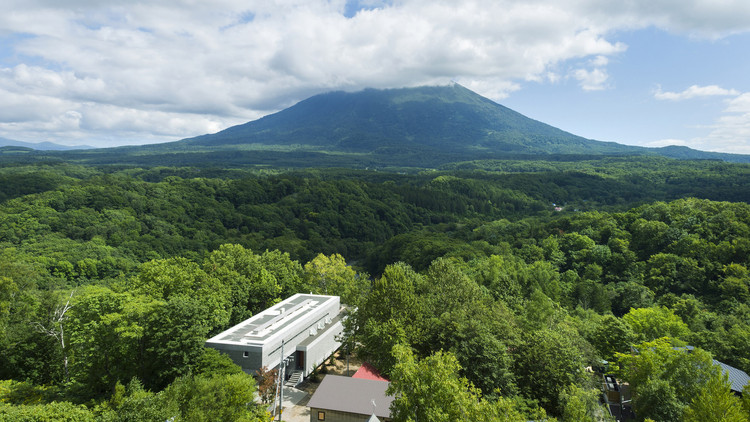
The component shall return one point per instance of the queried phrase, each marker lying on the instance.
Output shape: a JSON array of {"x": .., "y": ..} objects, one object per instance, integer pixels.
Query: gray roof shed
[{"x": 353, "y": 395}]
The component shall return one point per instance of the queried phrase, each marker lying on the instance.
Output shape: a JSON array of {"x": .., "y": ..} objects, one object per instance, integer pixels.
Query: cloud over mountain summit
[{"x": 130, "y": 73}]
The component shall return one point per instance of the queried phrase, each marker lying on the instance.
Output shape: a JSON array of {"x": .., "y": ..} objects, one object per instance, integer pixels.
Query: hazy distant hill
[
  {"x": 42, "y": 146},
  {"x": 685, "y": 153}
]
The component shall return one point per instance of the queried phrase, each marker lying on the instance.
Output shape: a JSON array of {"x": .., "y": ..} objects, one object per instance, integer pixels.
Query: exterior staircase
[{"x": 295, "y": 379}]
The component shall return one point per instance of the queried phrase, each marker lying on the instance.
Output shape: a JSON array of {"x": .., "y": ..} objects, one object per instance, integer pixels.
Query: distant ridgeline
[
  {"x": 423, "y": 127},
  {"x": 13, "y": 145}
]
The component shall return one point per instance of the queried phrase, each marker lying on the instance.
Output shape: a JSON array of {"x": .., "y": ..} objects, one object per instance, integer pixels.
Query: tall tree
[
  {"x": 547, "y": 361},
  {"x": 179, "y": 277},
  {"x": 649, "y": 324},
  {"x": 392, "y": 311},
  {"x": 216, "y": 398},
  {"x": 107, "y": 336},
  {"x": 480, "y": 337},
  {"x": 582, "y": 405},
  {"x": 433, "y": 390},
  {"x": 333, "y": 276},
  {"x": 612, "y": 335},
  {"x": 663, "y": 378},
  {"x": 716, "y": 403},
  {"x": 252, "y": 288}
]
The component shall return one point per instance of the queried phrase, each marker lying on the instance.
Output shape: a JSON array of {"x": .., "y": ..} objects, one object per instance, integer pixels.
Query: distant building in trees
[
  {"x": 309, "y": 326},
  {"x": 738, "y": 379}
]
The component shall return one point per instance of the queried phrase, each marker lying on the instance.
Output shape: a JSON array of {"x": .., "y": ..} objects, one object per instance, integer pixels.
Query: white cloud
[
  {"x": 174, "y": 68},
  {"x": 591, "y": 80},
  {"x": 698, "y": 18},
  {"x": 731, "y": 131},
  {"x": 695, "y": 91},
  {"x": 741, "y": 104},
  {"x": 600, "y": 61}
]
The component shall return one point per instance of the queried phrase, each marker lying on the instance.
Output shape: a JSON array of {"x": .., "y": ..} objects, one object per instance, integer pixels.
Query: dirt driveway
[{"x": 295, "y": 399}]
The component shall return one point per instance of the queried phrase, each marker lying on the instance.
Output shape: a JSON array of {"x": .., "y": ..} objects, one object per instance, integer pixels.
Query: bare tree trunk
[{"x": 56, "y": 329}]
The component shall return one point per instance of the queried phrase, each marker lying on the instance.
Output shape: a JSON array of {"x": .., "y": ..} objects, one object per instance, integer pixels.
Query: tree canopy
[{"x": 465, "y": 280}]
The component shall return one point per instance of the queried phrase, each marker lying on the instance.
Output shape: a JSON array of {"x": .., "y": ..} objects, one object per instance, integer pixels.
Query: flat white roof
[{"x": 259, "y": 328}]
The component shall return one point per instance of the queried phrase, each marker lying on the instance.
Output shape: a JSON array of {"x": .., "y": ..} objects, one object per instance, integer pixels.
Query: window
[
  {"x": 245, "y": 354},
  {"x": 321, "y": 416}
]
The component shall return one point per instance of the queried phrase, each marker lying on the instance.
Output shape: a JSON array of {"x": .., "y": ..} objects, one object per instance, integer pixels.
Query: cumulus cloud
[
  {"x": 740, "y": 105},
  {"x": 695, "y": 91},
  {"x": 698, "y": 18},
  {"x": 594, "y": 79},
  {"x": 731, "y": 131},
  {"x": 591, "y": 80},
  {"x": 174, "y": 68}
]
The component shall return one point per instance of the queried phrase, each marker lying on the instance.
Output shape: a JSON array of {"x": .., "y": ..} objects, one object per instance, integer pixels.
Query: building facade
[{"x": 309, "y": 326}]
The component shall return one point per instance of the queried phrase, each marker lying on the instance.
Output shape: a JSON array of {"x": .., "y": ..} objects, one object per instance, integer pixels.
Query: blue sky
[
  {"x": 627, "y": 109},
  {"x": 641, "y": 72}
]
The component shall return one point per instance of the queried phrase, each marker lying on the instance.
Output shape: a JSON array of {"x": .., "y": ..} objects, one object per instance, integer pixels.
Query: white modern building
[{"x": 309, "y": 326}]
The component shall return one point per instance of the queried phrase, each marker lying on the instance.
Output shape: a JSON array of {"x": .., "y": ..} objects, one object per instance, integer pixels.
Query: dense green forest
[{"x": 491, "y": 284}]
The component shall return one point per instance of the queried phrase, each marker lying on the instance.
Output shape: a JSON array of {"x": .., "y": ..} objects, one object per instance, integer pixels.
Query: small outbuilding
[{"x": 345, "y": 399}]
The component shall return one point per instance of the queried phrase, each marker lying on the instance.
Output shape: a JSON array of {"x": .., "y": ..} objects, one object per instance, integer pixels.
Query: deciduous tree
[
  {"x": 432, "y": 390},
  {"x": 716, "y": 403}
]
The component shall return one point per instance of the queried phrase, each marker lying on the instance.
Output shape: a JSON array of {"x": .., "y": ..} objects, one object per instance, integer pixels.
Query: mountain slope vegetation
[
  {"x": 397, "y": 129},
  {"x": 446, "y": 119}
]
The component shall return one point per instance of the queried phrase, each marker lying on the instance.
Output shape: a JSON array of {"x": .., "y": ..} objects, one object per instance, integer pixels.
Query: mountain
[
  {"x": 42, "y": 146},
  {"x": 441, "y": 119},
  {"x": 423, "y": 127}
]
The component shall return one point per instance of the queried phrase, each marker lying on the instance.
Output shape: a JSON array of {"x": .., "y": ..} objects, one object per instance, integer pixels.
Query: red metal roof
[{"x": 368, "y": 372}]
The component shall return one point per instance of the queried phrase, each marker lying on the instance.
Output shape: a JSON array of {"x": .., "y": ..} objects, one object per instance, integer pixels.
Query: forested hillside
[{"x": 492, "y": 285}]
